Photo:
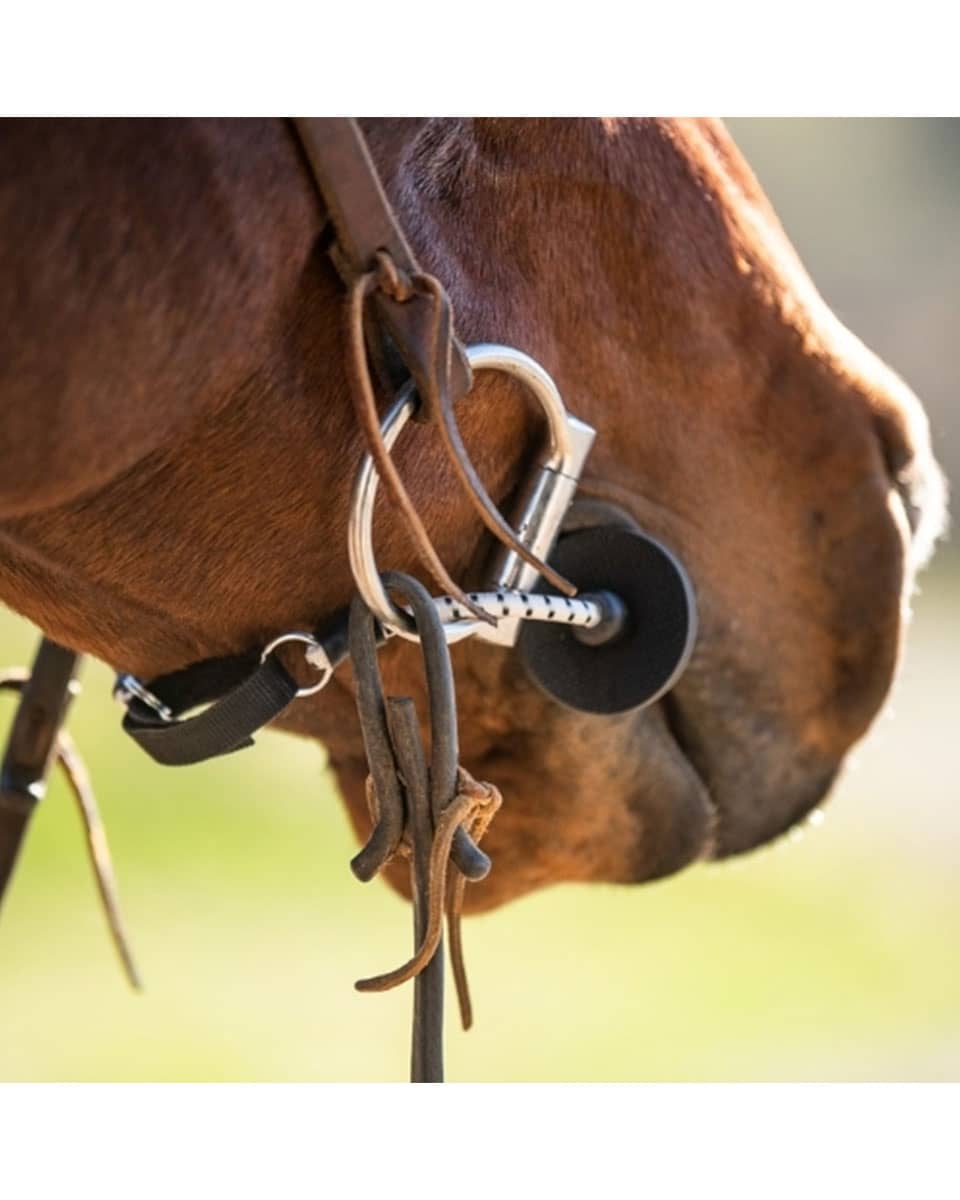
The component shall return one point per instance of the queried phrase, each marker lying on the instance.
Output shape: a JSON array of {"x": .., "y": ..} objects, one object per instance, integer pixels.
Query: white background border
[
  {"x": 821, "y": 58},
  {"x": 141, "y": 1141}
]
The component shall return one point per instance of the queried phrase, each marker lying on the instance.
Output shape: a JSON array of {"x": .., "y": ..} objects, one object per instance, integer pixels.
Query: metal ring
[
  {"x": 309, "y": 640},
  {"x": 363, "y": 562}
]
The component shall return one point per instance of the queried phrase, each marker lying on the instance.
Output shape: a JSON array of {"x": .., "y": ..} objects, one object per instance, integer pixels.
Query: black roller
[{"x": 648, "y": 654}]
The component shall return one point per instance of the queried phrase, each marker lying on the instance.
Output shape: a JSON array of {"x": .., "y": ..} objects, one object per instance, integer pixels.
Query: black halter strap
[
  {"x": 243, "y": 696},
  {"x": 243, "y": 692}
]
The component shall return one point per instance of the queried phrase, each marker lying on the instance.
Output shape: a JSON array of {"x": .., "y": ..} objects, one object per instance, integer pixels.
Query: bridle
[{"x": 607, "y": 625}]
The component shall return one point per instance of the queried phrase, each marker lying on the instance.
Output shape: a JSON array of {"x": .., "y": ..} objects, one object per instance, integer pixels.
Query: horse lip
[{"x": 674, "y": 721}]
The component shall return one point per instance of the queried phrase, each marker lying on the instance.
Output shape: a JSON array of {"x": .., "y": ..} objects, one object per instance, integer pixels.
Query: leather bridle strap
[
  {"x": 378, "y": 268},
  {"x": 365, "y": 225},
  {"x": 44, "y": 700}
]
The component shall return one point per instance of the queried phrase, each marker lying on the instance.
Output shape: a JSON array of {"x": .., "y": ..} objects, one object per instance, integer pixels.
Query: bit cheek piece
[
  {"x": 627, "y": 636},
  {"x": 541, "y": 509}
]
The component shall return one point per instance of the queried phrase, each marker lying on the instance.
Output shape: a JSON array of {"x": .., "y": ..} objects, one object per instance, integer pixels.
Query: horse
[{"x": 179, "y": 447}]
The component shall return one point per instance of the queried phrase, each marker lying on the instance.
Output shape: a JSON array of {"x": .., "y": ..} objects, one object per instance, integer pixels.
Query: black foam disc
[{"x": 649, "y": 654}]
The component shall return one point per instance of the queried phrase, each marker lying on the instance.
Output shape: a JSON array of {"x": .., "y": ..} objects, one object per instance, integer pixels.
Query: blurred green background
[{"x": 831, "y": 955}]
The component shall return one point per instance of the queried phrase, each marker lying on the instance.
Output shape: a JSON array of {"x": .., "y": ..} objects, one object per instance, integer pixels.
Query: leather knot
[
  {"x": 391, "y": 279},
  {"x": 472, "y": 808}
]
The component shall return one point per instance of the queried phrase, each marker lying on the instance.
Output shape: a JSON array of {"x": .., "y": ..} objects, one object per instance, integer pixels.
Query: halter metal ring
[
  {"x": 316, "y": 652},
  {"x": 562, "y": 452}
]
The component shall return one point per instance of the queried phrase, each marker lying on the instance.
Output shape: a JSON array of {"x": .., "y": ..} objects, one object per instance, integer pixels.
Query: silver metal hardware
[
  {"x": 541, "y": 510},
  {"x": 316, "y": 656},
  {"x": 128, "y": 687}
]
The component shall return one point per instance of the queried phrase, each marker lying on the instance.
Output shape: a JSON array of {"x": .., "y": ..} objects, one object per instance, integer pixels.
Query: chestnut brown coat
[{"x": 178, "y": 447}]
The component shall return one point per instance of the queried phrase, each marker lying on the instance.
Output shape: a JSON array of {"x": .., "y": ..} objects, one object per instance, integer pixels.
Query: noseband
[{"x": 602, "y": 615}]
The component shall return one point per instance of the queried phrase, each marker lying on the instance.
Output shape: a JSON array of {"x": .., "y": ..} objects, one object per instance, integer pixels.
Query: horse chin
[{"x": 760, "y": 782}]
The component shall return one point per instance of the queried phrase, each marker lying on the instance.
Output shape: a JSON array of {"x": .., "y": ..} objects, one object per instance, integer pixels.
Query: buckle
[{"x": 128, "y": 687}]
